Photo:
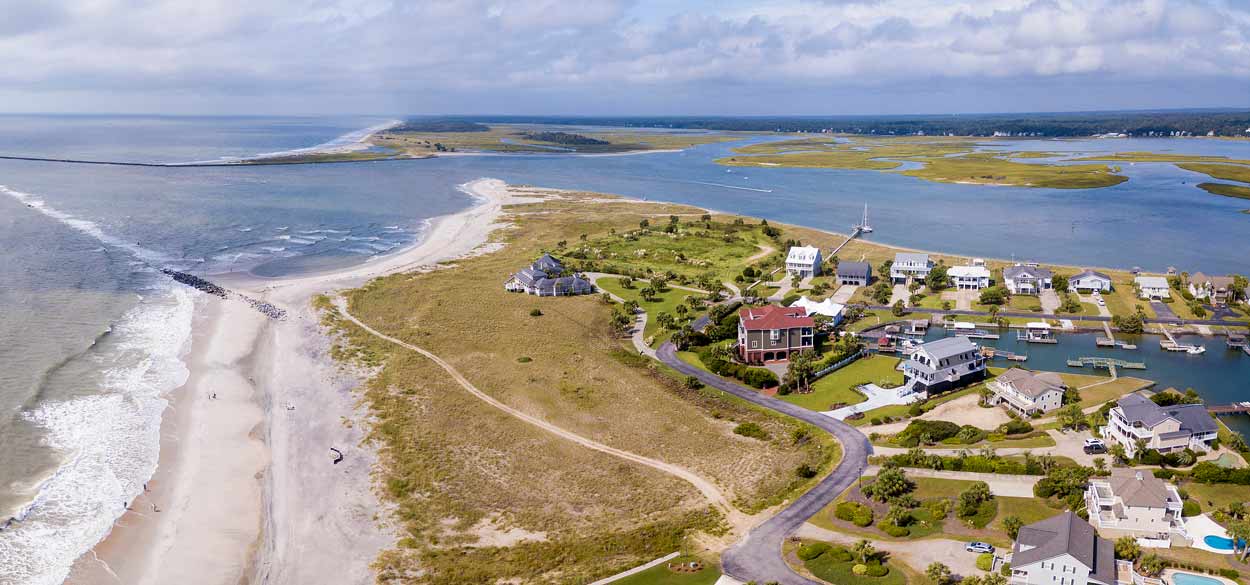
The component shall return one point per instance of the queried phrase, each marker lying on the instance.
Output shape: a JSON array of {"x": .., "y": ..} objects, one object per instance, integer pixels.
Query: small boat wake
[{"x": 740, "y": 188}]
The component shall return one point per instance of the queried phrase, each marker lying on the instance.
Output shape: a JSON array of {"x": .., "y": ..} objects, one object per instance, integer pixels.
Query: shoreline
[{"x": 245, "y": 485}]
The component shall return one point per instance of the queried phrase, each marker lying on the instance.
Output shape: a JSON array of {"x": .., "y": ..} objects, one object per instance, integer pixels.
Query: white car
[{"x": 979, "y": 547}]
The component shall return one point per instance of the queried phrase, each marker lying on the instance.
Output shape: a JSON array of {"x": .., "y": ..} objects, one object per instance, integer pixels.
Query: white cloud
[{"x": 400, "y": 55}]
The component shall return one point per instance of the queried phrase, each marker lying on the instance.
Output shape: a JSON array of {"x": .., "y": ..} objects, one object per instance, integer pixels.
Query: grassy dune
[
  {"x": 453, "y": 467},
  {"x": 512, "y": 139},
  {"x": 1220, "y": 171},
  {"x": 1226, "y": 190},
  {"x": 990, "y": 169}
]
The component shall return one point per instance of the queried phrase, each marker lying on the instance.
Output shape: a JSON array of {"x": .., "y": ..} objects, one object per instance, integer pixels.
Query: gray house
[
  {"x": 545, "y": 278},
  {"x": 854, "y": 273},
  {"x": 1089, "y": 281},
  {"x": 1062, "y": 550},
  {"x": 940, "y": 365},
  {"x": 1023, "y": 279}
]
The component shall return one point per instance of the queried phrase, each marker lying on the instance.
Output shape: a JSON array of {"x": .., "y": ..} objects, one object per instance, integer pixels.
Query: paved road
[{"x": 758, "y": 556}]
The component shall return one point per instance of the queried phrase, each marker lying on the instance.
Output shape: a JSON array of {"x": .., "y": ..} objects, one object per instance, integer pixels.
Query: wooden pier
[
  {"x": 1109, "y": 364},
  {"x": 1234, "y": 408}
]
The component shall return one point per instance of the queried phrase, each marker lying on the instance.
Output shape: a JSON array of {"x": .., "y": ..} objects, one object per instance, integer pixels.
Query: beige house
[
  {"x": 1026, "y": 392},
  {"x": 1165, "y": 429},
  {"x": 1138, "y": 504},
  {"x": 1062, "y": 550}
]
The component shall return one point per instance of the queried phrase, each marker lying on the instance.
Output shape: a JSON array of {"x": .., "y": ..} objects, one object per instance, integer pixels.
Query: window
[{"x": 774, "y": 334}]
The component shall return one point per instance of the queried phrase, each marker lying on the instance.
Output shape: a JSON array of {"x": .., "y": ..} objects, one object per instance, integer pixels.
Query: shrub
[
  {"x": 853, "y": 512},
  {"x": 859, "y": 569},
  {"x": 750, "y": 429},
  {"x": 1190, "y": 508},
  {"x": 894, "y": 530},
  {"x": 985, "y": 561},
  {"x": 1005, "y": 570},
  {"x": 536, "y": 312},
  {"x": 969, "y": 435},
  {"x": 877, "y": 570},
  {"x": 934, "y": 430},
  {"x": 1230, "y": 574},
  {"x": 1015, "y": 427},
  {"x": 809, "y": 551},
  {"x": 805, "y": 471},
  {"x": 940, "y": 508},
  {"x": 524, "y": 359},
  {"x": 839, "y": 555}
]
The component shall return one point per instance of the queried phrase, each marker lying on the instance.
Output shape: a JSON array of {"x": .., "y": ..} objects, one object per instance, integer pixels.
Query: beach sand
[{"x": 246, "y": 489}]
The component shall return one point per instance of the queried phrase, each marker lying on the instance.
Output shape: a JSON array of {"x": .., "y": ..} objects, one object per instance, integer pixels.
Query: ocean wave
[
  {"x": 90, "y": 228},
  {"x": 363, "y": 238},
  {"x": 109, "y": 441},
  {"x": 274, "y": 249}
]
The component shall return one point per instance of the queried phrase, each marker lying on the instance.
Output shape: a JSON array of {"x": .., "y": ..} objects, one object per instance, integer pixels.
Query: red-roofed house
[{"x": 773, "y": 333}]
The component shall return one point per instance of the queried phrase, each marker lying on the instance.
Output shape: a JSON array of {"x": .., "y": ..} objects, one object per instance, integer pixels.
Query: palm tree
[
  {"x": 1240, "y": 533},
  {"x": 938, "y": 573},
  {"x": 864, "y": 550}
]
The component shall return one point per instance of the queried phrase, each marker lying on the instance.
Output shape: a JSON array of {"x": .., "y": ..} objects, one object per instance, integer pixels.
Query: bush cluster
[
  {"x": 753, "y": 377},
  {"x": 853, "y": 512},
  {"x": 750, "y": 429}
]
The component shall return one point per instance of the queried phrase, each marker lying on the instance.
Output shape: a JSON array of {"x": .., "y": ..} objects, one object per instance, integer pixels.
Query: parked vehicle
[
  {"x": 979, "y": 547},
  {"x": 1095, "y": 446}
]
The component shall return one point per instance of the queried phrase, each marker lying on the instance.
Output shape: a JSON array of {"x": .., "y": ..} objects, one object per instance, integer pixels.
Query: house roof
[
  {"x": 1030, "y": 384},
  {"x": 1151, "y": 282},
  {"x": 826, "y": 307},
  {"x": 803, "y": 254},
  {"x": 547, "y": 263},
  {"x": 1065, "y": 534},
  {"x": 1019, "y": 270},
  {"x": 1091, "y": 274},
  {"x": 861, "y": 269},
  {"x": 911, "y": 258},
  {"x": 948, "y": 346},
  {"x": 1139, "y": 489},
  {"x": 968, "y": 271},
  {"x": 1193, "y": 418},
  {"x": 1215, "y": 281},
  {"x": 774, "y": 317}
]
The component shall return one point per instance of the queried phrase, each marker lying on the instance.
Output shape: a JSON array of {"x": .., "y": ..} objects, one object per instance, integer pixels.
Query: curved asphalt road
[{"x": 758, "y": 556}]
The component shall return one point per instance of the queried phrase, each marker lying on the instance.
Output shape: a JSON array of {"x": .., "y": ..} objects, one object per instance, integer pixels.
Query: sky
[{"x": 622, "y": 57}]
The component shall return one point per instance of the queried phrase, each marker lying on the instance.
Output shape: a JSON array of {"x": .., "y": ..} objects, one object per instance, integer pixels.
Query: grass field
[
  {"x": 511, "y": 138},
  {"x": 665, "y": 302},
  {"x": 1220, "y": 171},
  {"x": 1238, "y": 191},
  {"x": 662, "y": 575},
  {"x": 1111, "y": 390},
  {"x": 990, "y": 169},
  {"x": 838, "y": 386},
  {"x": 714, "y": 251},
  {"x": 450, "y": 465}
]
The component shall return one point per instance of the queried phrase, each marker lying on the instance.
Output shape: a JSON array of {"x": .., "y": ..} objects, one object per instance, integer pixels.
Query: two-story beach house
[
  {"x": 772, "y": 333},
  {"x": 943, "y": 364},
  {"x": 910, "y": 265},
  {"x": 1132, "y": 502},
  {"x": 803, "y": 261},
  {"x": 1027, "y": 392},
  {"x": 968, "y": 277},
  {"x": 1062, "y": 550},
  {"x": 1089, "y": 281},
  {"x": 543, "y": 278},
  {"x": 854, "y": 273},
  {"x": 1152, "y": 287},
  {"x": 1024, "y": 279},
  {"x": 1163, "y": 428},
  {"x": 1216, "y": 289}
]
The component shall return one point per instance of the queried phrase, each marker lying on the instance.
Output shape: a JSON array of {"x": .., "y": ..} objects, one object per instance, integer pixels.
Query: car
[
  {"x": 1094, "y": 446},
  {"x": 1093, "y": 442},
  {"x": 979, "y": 547}
]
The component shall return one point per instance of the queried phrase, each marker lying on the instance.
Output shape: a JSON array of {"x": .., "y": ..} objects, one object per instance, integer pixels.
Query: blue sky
[{"x": 622, "y": 56}]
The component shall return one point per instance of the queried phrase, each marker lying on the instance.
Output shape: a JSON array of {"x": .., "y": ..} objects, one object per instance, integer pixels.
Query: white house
[
  {"x": 1132, "y": 502},
  {"x": 1023, "y": 279},
  {"x": 1062, "y": 550},
  {"x": 910, "y": 265},
  {"x": 1026, "y": 392},
  {"x": 826, "y": 307},
  {"x": 803, "y": 261},
  {"x": 1089, "y": 281},
  {"x": 969, "y": 277},
  {"x": 1217, "y": 289},
  {"x": 1153, "y": 287},
  {"x": 943, "y": 364}
]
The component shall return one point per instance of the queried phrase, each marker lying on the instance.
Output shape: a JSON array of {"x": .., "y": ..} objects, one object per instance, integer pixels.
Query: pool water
[
  {"x": 1192, "y": 579},
  {"x": 1219, "y": 543}
]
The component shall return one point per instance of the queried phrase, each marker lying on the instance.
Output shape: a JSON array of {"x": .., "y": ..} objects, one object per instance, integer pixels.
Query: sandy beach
[{"x": 246, "y": 489}]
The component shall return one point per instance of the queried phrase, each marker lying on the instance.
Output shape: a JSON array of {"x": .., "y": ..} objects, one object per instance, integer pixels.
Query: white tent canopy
[{"x": 826, "y": 307}]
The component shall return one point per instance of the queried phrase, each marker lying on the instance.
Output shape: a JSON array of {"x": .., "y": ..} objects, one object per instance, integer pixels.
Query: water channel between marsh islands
[{"x": 1220, "y": 375}]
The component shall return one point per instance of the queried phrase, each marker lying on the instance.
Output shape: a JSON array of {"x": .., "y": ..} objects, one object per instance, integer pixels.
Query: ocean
[{"x": 92, "y": 336}]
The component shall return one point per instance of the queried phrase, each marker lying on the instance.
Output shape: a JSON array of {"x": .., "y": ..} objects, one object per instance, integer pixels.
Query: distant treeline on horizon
[{"x": 1138, "y": 123}]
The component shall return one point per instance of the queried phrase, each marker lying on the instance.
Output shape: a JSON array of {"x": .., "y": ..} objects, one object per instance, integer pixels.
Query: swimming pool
[
  {"x": 1219, "y": 542},
  {"x": 1179, "y": 578}
]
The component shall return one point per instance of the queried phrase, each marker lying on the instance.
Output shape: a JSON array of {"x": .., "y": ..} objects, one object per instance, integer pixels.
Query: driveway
[
  {"x": 877, "y": 397},
  {"x": 844, "y": 294},
  {"x": 900, "y": 294},
  {"x": 1162, "y": 310},
  {"x": 758, "y": 556},
  {"x": 1050, "y": 301},
  {"x": 917, "y": 554},
  {"x": 962, "y": 299}
]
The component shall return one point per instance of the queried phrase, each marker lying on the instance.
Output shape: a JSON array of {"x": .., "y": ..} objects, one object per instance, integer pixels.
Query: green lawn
[
  {"x": 1122, "y": 300},
  {"x": 662, "y": 575},
  {"x": 694, "y": 251},
  {"x": 1025, "y": 303},
  {"x": 1112, "y": 390},
  {"x": 837, "y": 387},
  {"x": 830, "y": 568},
  {"x": 665, "y": 302},
  {"x": 1215, "y": 496},
  {"x": 873, "y": 318}
]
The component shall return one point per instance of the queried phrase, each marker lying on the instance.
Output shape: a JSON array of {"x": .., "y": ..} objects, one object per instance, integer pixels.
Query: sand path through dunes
[{"x": 707, "y": 488}]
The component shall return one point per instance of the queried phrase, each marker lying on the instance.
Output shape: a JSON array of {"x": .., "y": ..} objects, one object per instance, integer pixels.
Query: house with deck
[
  {"x": 910, "y": 266},
  {"x": 1026, "y": 392},
  {"x": 1026, "y": 279},
  {"x": 1132, "y": 502},
  {"x": 803, "y": 261},
  {"x": 1218, "y": 290},
  {"x": 1062, "y": 550},
  {"x": 1088, "y": 281},
  {"x": 1163, "y": 428},
  {"x": 546, "y": 278},
  {"x": 968, "y": 277},
  {"x": 1154, "y": 288},
  {"x": 854, "y": 273},
  {"x": 772, "y": 333},
  {"x": 943, "y": 364}
]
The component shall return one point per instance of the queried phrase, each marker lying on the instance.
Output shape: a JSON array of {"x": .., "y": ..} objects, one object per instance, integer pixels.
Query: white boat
[
  {"x": 1196, "y": 349},
  {"x": 863, "y": 226}
]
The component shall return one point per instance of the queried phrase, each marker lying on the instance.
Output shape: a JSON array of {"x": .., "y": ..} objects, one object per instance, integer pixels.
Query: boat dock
[
  {"x": 1234, "y": 408},
  {"x": 1109, "y": 339},
  {"x": 993, "y": 353},
  {"x": 1170, "y": 344},
  {"x": 1037, "y": 332},
  {"x": 964, "y": 329},
  {"x": 1109, "y": 364}
]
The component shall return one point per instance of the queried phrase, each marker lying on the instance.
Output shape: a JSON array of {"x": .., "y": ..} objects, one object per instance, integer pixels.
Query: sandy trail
[{"x": 707, "y": 488}]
